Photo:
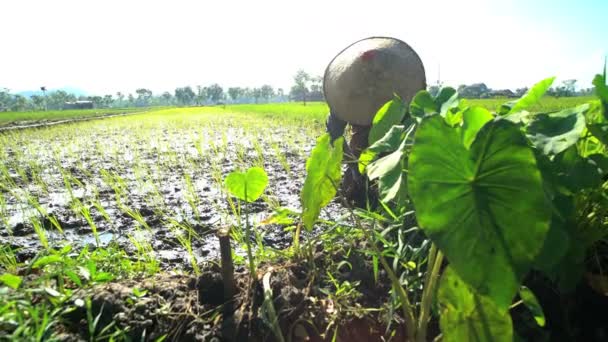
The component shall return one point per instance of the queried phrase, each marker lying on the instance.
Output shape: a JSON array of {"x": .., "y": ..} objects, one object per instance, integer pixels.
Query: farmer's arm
[{"x": 335, "y": 126}]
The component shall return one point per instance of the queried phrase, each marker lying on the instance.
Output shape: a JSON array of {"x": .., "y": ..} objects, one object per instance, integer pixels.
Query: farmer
[{"x": 357, "y": 82}]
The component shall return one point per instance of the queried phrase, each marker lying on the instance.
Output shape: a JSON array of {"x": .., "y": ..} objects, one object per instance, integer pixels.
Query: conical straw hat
[{"x": 364, "y": 76}]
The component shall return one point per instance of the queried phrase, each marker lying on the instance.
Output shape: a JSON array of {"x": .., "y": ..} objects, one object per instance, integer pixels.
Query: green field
[
  {"x": 24, "y": 118},
  {"x": 314, "y": 110}
]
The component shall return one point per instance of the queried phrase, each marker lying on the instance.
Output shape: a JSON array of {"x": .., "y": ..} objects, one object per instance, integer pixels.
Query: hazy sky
[{"x": 108, "y": 46}]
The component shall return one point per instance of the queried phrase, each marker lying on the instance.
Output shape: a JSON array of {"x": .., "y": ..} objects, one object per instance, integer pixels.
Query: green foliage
[
  {"x": 497, "y": 194},
  {"x": 474, "y": 118},
  {"x": 601, "y": 90},
  {"x": 11, "y": 280},
  {"x": 555, "y": 132},
  {"x": 388, "y": 143},
  {"x": 425, "y": 104},
  {"x": 530, "y": 301},
  {"x": 479, "y": 198},
  {"x": 529, "y": 99},
  {"x": 323, "y": 175},
  {"x": 389, "y": 114},
  {"x": 600, "y": 131},
  {"x": 57, "y": 115},
  {"x": 48, "y": 289},
  {"x": 468, "y": 316},
  {"x": 389, "y": 172},
  {"x": 247, "y": 186}
]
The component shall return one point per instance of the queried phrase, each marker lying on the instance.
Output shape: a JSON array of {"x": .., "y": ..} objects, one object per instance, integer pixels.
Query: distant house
[
  {"x": 502, "y": 93},
  {"x": 78, "y": 105}
]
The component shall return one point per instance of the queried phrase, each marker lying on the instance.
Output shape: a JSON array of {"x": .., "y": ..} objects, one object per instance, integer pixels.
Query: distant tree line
[
  {"x": 182, "y": 96},
  {"x": 480, "y": 91},
  {"x": 305, "y": 88}
]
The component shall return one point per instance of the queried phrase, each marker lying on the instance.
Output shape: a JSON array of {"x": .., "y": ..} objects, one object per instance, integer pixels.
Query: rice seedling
[
  {"x": 40, "y": 231},
  {"x": 191, "y": 196},
  {"x": 184, "y": 234}
]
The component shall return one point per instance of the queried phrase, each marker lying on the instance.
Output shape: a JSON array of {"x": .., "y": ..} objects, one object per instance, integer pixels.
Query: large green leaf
[
  {"x": 485, "y": 207},
  {"x": 530, "y": 98},
  {"x": 388, "y": 143},
  {"x": 388, "y": 115},
  {"x": 424, "y": 103},
  {"x": 575, "y": 173},
  {"x": 247, "y": 186},
  {"x": 323, "y": 174},
  {"x": 568, "y": 270},
  {"x": 554, "y": 248},
  {"x": 389, "y": 171},
  {"x": 468, "y": 316},
  {"x": 555, "y": 132},
  {"x": 474, "y": 118},
  {"x": 447, "y": 100}
]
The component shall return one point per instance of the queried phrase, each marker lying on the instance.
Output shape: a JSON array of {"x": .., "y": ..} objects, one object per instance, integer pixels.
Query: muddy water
[{"x": 162, "y": 168}]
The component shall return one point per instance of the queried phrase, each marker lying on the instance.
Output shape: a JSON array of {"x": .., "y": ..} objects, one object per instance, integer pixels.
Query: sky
[{"x": 107, "y": 46}]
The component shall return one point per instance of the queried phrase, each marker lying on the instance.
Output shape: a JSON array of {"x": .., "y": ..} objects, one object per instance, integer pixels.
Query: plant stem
[
  {"x": 430, "y": 281},
  {"x": 248, "y": 239},
  {"x": 226, "y": 264}
]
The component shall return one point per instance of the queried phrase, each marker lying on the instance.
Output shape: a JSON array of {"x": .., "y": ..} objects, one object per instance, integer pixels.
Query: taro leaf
[
  {"x": 454, "y": 117},
  {"x": 555, "y": 132},
  {"x": 563, "y": 254},
  {"x": 424, "y": 103},
  {"x": 554, "y": 248},
  {"x": 601, "y": 90},
  {"x": 600, "y": 131},
  {"x": 388, "y": 115},
  {"x": 388, "y": 143},
  {"x": 530, "y": 98},
  {"x": 474, "y": 118},
  {"x": 485, "y": 208},
  {"x": 323, "y": 174},
  {"x": 568, "y": 272},
  {"x": 575, "y": 172},
  {"x": 389, "y": 171},
  {"x": 530, "y": 301},
  {"x": 468, "y": 316},
  {"x": 11, "y": 280},
  {"x": 445, "y": 98},
  {"x": 522, "y": 117},
  {"x": 253, "y": 182}
]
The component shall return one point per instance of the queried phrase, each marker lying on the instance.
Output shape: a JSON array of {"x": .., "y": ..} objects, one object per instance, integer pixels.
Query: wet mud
[
  {"x": 188, "y": 308},
  {"x": 136, "y": 185}
]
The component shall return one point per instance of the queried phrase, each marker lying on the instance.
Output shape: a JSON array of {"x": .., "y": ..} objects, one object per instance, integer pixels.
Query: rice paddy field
[
  {"x": 12, "y": 119},
  {"x": 108, "y": 229}
]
